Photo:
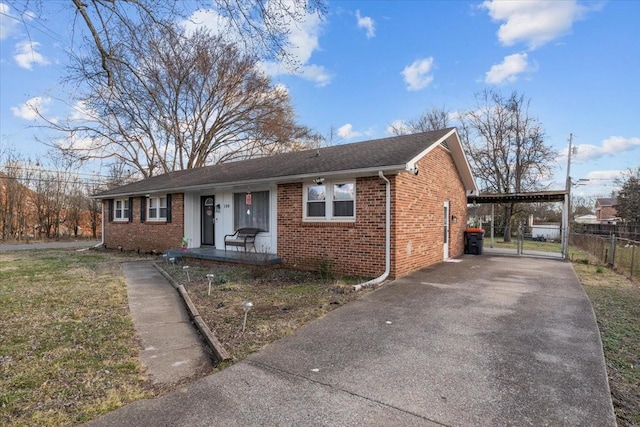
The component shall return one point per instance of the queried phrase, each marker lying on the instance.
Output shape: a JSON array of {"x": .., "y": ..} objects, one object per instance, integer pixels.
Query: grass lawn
[
  {"x": 68, "y": 351},
  {"x": 616, "y": 302}
]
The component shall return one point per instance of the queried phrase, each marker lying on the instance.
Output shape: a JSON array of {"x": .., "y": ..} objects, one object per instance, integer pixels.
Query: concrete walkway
[
  {"x": 483, "y": 340},
  {"x": 172, "y": 350}
]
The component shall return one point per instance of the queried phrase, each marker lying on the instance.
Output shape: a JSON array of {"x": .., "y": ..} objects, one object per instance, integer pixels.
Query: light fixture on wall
[
  {"x": 454, "y": 219},
  {"x": 318, "y": 181}
]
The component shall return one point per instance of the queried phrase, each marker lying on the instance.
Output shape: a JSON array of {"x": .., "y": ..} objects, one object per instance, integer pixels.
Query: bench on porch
[{"x": 242, "y": 237}]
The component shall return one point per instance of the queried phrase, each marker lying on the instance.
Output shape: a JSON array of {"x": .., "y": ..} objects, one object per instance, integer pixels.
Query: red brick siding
[
  {"x": 605, "y": 212},
  {"x": 418, "y": 218},
  {"x": 146, "y": 236},
  {"x": 355, "y": 248},
  {"x": 359, "y": 248}
]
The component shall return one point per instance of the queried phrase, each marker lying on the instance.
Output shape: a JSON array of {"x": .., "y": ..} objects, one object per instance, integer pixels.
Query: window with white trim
[
  {"x": 121, "y": 210},
  {"x": 333, "y": 201},
  {"x": 157, "y": 208}
]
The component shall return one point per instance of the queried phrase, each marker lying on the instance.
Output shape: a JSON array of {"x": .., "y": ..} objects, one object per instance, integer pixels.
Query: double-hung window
[
  {"x": 157, "y": 208},
  {"x": 121, "y": 210},
  {"x": 334, "y": 201}
]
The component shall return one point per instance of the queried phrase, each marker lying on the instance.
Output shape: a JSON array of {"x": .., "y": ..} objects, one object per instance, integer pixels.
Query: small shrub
[
  {"x": 599, "y": 269},
  {"x": 325, "y": 268}
]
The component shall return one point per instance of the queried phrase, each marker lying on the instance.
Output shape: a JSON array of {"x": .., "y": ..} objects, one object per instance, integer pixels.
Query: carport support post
[
  {"x": 493, "y": 213},
  {"x": 565, "y": 222}
]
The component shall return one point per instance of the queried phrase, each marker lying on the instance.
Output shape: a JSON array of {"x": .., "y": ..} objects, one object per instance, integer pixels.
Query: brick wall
[
  {"x": 605, "y": 212},
  {"x": 146, "y": 236},
  {"x": 355, "y": 248},
  {"x": 418, "y": 219}
]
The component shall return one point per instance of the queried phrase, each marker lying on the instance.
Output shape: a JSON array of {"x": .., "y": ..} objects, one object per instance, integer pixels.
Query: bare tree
[
  {"x": 74, "y": 212},
  {"x": 93, "y": 207},
  {"x": 582, "y": 205},
  {"x": 16, "y": 216},
  {"x": 261, "y": 26},
  {"x": 433, "y": 119},
  {"x": 629, "y": 196},
  {"x": 506, "y": 147},
  {"x": 179, "y": 101}
]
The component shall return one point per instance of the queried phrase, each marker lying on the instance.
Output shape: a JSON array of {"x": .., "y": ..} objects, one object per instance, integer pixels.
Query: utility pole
[{"x": 567, "y": 203}]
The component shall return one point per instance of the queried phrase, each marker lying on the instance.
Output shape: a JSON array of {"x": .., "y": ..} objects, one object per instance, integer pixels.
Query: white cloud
[
  {"x": 81, "y": 113},
  {"x": 213, "y": 21},
  {"x": 605, "y": 175},
  {"x": 32, "y": 109},
  {"x": 395, "y": 126},
  {"x": 303, "y": 39},
  {"x": 9, "y": 23},
  {"x": 610, "y": 146},
  {"x": 26, "y": 55},
  {"x": 315, "y": 73},
  {"x": 508, "y": 70},
  {"x": 535, "y": 22},
  {"x": 367, "y": 23},
  {"x": 347, "y": 132},
  {"x": 418, "y": 75}
]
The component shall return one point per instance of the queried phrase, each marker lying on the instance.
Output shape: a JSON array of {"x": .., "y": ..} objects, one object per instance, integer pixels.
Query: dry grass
[
  {"x": 68, "y": 351},
  {"x": 616, "y": 302},
  {"x": 283, "y": 301}
]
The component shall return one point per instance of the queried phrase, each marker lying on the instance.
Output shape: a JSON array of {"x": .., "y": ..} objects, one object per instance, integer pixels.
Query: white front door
[{"x": 446, "y": 230}]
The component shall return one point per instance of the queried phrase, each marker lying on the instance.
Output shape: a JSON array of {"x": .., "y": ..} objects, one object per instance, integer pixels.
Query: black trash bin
[{"x": 473, "y": 238}]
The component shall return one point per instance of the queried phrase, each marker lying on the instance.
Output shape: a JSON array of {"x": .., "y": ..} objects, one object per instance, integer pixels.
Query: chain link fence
[{"x": 623, "y": 255}]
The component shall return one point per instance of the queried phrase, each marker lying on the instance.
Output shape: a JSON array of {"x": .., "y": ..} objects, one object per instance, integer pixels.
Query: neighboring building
[
  {"x": 606, "y": 210},
  {"x": 315, "y": 206},
  {"x": 586, "y": 219},
  {"x": 546, "y": 231}
]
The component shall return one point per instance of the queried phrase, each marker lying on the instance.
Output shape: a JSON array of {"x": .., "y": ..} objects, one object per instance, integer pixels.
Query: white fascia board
[
  {"x": 412, "y": 163},
  {"x": 459, "y": 159}
]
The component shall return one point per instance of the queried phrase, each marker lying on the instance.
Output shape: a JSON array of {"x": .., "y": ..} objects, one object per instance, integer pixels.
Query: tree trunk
[{"x": 507, "y": 223}]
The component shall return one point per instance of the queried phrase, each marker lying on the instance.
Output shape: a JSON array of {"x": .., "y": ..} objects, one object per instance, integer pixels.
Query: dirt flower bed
[{"x": 283, "y": 300}]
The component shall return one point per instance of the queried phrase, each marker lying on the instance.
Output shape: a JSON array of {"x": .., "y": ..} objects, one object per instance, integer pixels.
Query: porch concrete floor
[{"x": 230, "y": 255}]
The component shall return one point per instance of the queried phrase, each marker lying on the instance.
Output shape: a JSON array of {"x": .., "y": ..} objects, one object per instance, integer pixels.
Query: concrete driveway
[{"x": 487, "y": 340}]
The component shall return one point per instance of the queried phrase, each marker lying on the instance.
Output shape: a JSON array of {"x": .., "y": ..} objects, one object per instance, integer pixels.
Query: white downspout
[{"x": 387, "y": 253}]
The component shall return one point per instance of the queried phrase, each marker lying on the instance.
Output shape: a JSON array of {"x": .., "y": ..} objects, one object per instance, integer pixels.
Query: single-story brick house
[
  {"x": 607, "y": 210},
  {"x": 383, "y": 207}
]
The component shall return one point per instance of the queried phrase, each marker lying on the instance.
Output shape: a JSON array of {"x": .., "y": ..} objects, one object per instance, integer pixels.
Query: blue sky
[{"x": 369, "y": 64}]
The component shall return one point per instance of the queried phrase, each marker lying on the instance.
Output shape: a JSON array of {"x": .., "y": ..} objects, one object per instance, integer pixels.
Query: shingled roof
[
  {"x": 386, "y": 154},
  {"x": 607, "y": 201}
]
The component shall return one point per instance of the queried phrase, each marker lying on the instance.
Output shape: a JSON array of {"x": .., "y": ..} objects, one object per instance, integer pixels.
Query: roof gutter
[{"x": 387, "y": 252}]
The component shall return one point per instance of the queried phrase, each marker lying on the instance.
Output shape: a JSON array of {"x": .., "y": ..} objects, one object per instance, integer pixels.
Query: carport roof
[{"x": 532, "y": 197}]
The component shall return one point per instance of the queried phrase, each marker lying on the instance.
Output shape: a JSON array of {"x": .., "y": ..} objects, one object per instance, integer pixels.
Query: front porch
[{"x": 230, "y": 256}]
